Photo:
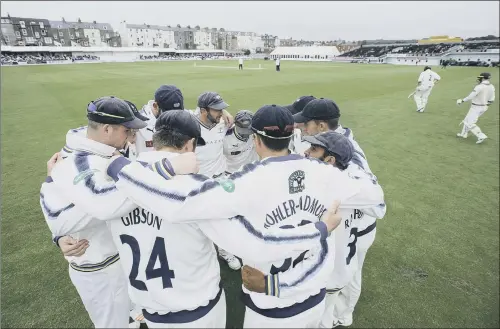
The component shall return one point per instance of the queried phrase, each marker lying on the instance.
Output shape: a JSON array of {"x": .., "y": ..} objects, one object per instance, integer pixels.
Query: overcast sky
[{"x": 298, "y": 19}]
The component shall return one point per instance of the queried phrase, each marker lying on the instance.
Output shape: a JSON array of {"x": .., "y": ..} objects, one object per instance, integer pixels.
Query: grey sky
[{"x": 298, "y": 19}]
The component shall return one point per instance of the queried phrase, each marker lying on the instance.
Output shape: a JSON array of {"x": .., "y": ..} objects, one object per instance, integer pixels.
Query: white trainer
[
  {"x": 232, "y": 261},
  {"x": 460, "y": 135},
  {"x": 480, "y": 140}
]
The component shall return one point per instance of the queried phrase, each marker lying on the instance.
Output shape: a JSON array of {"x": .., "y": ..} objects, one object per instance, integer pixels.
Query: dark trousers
[
  {"x": 277, "y": 68},
  {"x": 240, "y": 67}
]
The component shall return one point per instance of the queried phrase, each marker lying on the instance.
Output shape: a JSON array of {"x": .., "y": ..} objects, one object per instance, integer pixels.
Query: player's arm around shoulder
[
  {"x": 86, "y": 185},
  {"x": 176, "y": 200}
]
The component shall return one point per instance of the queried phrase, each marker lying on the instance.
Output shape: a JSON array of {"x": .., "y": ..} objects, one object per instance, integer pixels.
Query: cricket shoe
[
  {"x": 480, "y": 140},
  {"x": 460, "y": 135},
  {"x": 232, "y": 261}
]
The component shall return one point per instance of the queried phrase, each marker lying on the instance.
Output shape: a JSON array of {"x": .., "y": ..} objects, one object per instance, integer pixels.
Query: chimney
[
  {"x": 79, "y": 20},
  {"x": 64, "y": 21},
  {"x": 95, "y": 22}
]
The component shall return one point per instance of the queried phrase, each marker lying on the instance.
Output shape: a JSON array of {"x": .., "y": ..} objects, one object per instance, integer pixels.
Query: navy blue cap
[
  {"x": 334, "y": 143},
  {"x": 299, "y": 104},
  {"x": 136, "y": 111},
  {"x": 211, "y": 100},
  {"x": 318, "y": 109},
  {"x": 273, "y": 121},
  {"x": 114, "y": 111},
  {"x": 169, "y": 97},
  {"x": 182, "y": 122}
]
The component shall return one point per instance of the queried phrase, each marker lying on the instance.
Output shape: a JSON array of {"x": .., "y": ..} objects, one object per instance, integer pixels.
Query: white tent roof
[{"x": 311, "y": 51}]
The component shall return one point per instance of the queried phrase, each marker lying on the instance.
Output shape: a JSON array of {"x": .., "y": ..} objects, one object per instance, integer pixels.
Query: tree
[
  {"x": 179, "y": 25},
  {"x": 189, "y": 26},
  {"x": 197, "y": 27},
  {"x": 222, "y": 29},
  {"x": 246, "y": 52}
]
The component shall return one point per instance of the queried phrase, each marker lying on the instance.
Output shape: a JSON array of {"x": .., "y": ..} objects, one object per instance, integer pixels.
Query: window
[
  {"x": 61, "y": 34},
  {"x": 59, "y": 26},
  {"x": 62, "y": 42},
  {"x": 92, "y": 34},
  {"x": 30, "y": 40},
  {"x": 6, "y": 38},
  {"x": 71, "y": 36},
  {"x": 114, "y": 44},
  {"x": 24, "y": 32},
  {"x": 4, "y": 30},
  {"x": 48, "y": 40},
  {"x": 105, "y": 27},
  {"x": 107, "y": 35},
  {"x": 55, "y": 36},
  {"x": 41, "y": 25},
  {"x": 138, "y": 40},
  {"x": 44, "y": 32},
  {"x": 37, "y": 35},
  {"x": 22, "y": 24}
]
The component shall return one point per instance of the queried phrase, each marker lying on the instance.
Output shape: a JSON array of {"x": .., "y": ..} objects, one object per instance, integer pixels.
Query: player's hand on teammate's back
[
  {"x": 331, "y": 217},
  {"x": 228, "y": 118},
  {"x": 56, "y": 158},
  {"x": 185, "y": 163},
  {"x": 72, "y": 247},
  {"x": 253, "y": 279}
]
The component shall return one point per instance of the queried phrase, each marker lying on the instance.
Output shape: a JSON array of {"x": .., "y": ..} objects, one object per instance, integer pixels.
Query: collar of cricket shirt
[{"x": 84, "y": 144}]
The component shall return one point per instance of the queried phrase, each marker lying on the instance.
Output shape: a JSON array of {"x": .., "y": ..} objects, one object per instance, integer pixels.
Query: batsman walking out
[
  {"x": 482, "y": 96},
  {"x": 426, "y": 82}
]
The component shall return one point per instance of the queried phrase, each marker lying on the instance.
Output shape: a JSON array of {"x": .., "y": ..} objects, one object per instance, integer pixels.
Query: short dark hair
[
  {"x": 169, "y": 138},
  {"x": 336, "y": 156},
  {"x": 332, "y": 123},
  {"x": 275, "y": 144}
]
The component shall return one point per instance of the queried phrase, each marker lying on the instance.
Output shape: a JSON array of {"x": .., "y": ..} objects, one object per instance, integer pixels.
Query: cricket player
[
  {"x": 189, "y": 294},
  {"x": 297, "y": 145},
  {"x": 96, "y": 274},
  {"x": 335, "y": 149},
  {"x": 481, "y": 97},
  {"x": 323, "y": 115},
  {"x": 426, "y": 82},
  {"x": 282, "y": 190},
  {"x": 278, "y": 64},
  {"x": 240, "y": 64},
  {"x": 166, "y": 98},
  {"x": 238, "y": 144},
  {"x": 129, "y": 151}
]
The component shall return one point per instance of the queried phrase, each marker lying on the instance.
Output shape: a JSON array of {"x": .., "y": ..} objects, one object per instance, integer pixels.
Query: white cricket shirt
[
  {"x": 210, "y": 157},
  {"x": 483, "y": 94},
  {"x": 428, "y": 78},
  {"x": 238, "y": 152}
]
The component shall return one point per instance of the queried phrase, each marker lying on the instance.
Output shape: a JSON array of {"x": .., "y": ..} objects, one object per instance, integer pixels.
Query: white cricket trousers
[
  {"x": 215, "y": 318},
  {"x": 471, "y": 119},
  {"x": 307, "y": 319},
  {"x": 421, "y": 97},
  {"x": 104, "y": 294}
]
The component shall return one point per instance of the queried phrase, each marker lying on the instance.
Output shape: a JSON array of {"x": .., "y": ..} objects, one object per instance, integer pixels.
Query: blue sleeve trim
[
  {"x": 116, "y": 166},
  {"x": 48, "y": 179},
  {"x": 321, "y": 226}
]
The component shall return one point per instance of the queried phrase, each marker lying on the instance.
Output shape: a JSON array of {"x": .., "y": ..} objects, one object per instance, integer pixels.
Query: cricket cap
[
  {"x": 115, "y": 111},
  {"x": 318, "y": 109},
  {"x": 211, "y": 100},
  {"x": 169, "y": 97},
  {"x": 182, "y": 122},
  {"x": 334, "y": 143},
  {"x": 273, "y": 121},
  {"x": 299, "y": 104}
]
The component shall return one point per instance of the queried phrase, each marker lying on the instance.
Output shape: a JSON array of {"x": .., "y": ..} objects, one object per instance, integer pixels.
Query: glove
[{"x": 459, "y": 101}]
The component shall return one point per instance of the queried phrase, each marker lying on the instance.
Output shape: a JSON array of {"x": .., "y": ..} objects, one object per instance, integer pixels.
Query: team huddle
[{"x": 142, "y": 204}]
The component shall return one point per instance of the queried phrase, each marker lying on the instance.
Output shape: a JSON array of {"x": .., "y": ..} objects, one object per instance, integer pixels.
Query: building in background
[
  {"x": 8, "y": 36},
  {"x": 85, "y": 34},
  {"x": 150, "y": 36},
  {"x": 251, "y": 41},
  {"x": 205, "y": 38},
  {"x": 24, "y": 31}
]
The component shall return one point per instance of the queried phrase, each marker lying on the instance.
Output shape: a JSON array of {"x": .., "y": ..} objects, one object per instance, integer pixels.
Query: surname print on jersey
[
  {"x": 142, "y": 216},
  {"x": 290, "y": 207}
]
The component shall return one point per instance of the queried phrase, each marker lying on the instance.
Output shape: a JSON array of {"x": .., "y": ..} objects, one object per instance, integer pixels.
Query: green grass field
[{"x": 435, "y": 260}]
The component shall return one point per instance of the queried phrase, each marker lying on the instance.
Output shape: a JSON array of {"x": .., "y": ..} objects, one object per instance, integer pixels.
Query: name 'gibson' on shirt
[
  {"x": 290, "y": 207},
  {"x": 142, "y": 216}
]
